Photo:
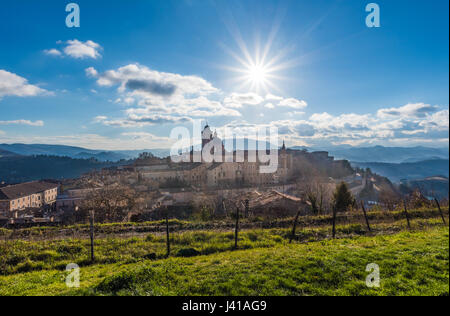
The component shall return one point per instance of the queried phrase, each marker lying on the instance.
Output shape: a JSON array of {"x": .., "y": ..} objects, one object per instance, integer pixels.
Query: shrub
[
  {"x": 188, "y": 252},
  {"x": 252, "y": 236},
  {"x": 150, "y": 256},
  {"x": 46, "y": 255},
  {"x": 70, "y": 249},
  {"x": 126, "y": 280},
  {"x": 15, "y": 260}
]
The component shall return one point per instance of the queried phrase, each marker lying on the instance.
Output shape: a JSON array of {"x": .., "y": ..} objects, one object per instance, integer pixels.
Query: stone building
[
  {"x": 24, "y": 196},
  {"x": 220, "y": 172}
]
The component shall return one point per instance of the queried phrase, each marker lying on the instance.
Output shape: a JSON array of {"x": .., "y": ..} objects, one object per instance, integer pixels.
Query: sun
[
  {"x": 258, "y": 71},
  {"x": 257, "y": 74}
]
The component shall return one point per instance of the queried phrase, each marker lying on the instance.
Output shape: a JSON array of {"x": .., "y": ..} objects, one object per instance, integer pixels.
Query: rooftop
[{"x": 24, "y": 189}]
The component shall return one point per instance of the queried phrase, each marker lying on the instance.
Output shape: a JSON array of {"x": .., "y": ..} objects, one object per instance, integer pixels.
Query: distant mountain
[
  {"x": 410, "y": 171},
  {"x": 367, "y": 154},
  {"x": 384, "y": 154},
  {"x": 29, "y": 168},
  {"x": 56, "y": 150},
  {"x": 431, "y": 186},
  {"x": 78, "y": 152},
  {"x": 7, "y": 154},
  {"x": 102, "y": 156},
  {"x": 132, "y": 154}
]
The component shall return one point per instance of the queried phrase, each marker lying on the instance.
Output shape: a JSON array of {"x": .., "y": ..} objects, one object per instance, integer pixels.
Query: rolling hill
[
  {"x": 77, "y": 152},
  {"x": 17, "y": 169},
  {"x": 7, "y": 154},
  {"x": 414, "y": 170},
  {"x": 384, "y": 154}
]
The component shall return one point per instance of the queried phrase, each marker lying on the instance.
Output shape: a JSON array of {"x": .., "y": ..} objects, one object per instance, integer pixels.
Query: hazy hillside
[
  {"x": 416, "y": 170},
  {"x": 30, "y": 168},
  {"x": 431, "y": 186},
  {"x": 384, "y": 154},
  {"x": 4, "y": 153},
  {"x": 78, "y": 152},
  {"x": 390, "y": 154}
]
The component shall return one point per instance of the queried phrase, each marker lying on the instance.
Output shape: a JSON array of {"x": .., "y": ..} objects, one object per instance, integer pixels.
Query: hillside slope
[
  {"x": 29, "y": 168},
  {"x": 411, "y": 263},
  {"x": 416, "y": 170}
]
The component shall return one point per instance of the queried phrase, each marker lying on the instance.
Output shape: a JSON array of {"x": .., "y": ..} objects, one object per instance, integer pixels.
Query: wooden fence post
[
  {"x": 440, "y": 211},
  {"x": 294, "y": 227},
  {"x": 91, "y": 219},
  {"x": 236, "y": 232},
  {"x": 365, "y": 216},
  {"x": 247, "y": 208},
  {"x": 406, "y": 214},
  {"x": 334, "y": 221},
  {"x": 167, "y": 233}
]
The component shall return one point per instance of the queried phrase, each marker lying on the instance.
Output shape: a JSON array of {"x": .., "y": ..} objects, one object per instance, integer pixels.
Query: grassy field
[
  {"x": 130, "y": 229},
  {"x": 203, "y": 262}
]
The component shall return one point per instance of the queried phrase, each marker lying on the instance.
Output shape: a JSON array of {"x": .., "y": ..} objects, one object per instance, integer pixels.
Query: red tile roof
[{"x": 13, "y": 192}]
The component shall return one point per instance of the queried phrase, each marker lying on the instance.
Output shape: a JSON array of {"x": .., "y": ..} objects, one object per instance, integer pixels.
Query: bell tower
[{"x": 207, "y": 136}]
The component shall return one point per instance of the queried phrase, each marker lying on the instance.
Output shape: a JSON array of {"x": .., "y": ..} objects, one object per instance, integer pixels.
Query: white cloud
[
  {"x": 414, "y": 110},
  {"x": 145, "y": 82},
  {"x": 133, "y": 120},
  {"x": 91, "y": 72},
  {"x": 237, "y": 100},
  {"x": 14, "y": 85},
  {"x": 22, "y": 122},
  {"x": 81, "y": 50},
  {"x": 76, "y": 49},
  {"x": 271, "y": 97},
  {"x": 324, "y": 129},
  {"x": 438, "y": 120},
  {"x": 128, "y": 101},
  {"x": 160, "y": 98},
  {"x": 293, "y": 103},
  {"x": 296, "y": 113},
  {"x": 52, "y": 52},
  {"x": 94, "y": 141}
]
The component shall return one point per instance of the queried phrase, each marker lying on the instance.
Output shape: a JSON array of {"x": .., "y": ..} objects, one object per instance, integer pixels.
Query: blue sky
[{"x": 134, "y": 70}]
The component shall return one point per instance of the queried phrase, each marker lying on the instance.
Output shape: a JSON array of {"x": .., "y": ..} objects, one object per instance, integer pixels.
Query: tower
[
  {"x": 284, "y": 156},
  {"x": 207, "y": 136}
]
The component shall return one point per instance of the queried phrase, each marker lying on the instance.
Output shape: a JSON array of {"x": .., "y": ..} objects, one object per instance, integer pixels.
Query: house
[
  {"x": 14, "y": 198},
  {"x": 275, "y": 203}
]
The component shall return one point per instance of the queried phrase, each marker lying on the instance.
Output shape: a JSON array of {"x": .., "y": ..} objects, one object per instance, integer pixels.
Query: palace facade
[{"x": 219, "y": 172}]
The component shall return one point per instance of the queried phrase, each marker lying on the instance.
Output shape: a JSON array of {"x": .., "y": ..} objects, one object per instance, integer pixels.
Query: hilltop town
[{"x": 140, "y": 190}]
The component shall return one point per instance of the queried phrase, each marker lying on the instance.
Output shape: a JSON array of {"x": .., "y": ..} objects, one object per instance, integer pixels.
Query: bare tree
[
  {"x": 317, "y": 192},
  {"x": 110, "y": 202},
  {"x": 389, "y": 198}
]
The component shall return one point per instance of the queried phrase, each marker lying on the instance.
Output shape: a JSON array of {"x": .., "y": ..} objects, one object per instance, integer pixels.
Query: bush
[
  {"x": 15, "y": 260},
  {"x": 46, "y": 255},
  {"x": 70, "y": 249},
  {"x": 188, "y": 252},
  {"x": 29, "y": 266},
  {"x": 252, "y": 236},
  {"x": 150, "y": 256},
  {"x": 126, "y": 280}
]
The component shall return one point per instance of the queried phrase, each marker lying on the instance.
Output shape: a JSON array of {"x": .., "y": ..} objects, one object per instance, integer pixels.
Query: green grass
[
  {"x": 21, "y": 256},
  {"x": 114, "y": 229},
  {"x": 411, "y": 263}
]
